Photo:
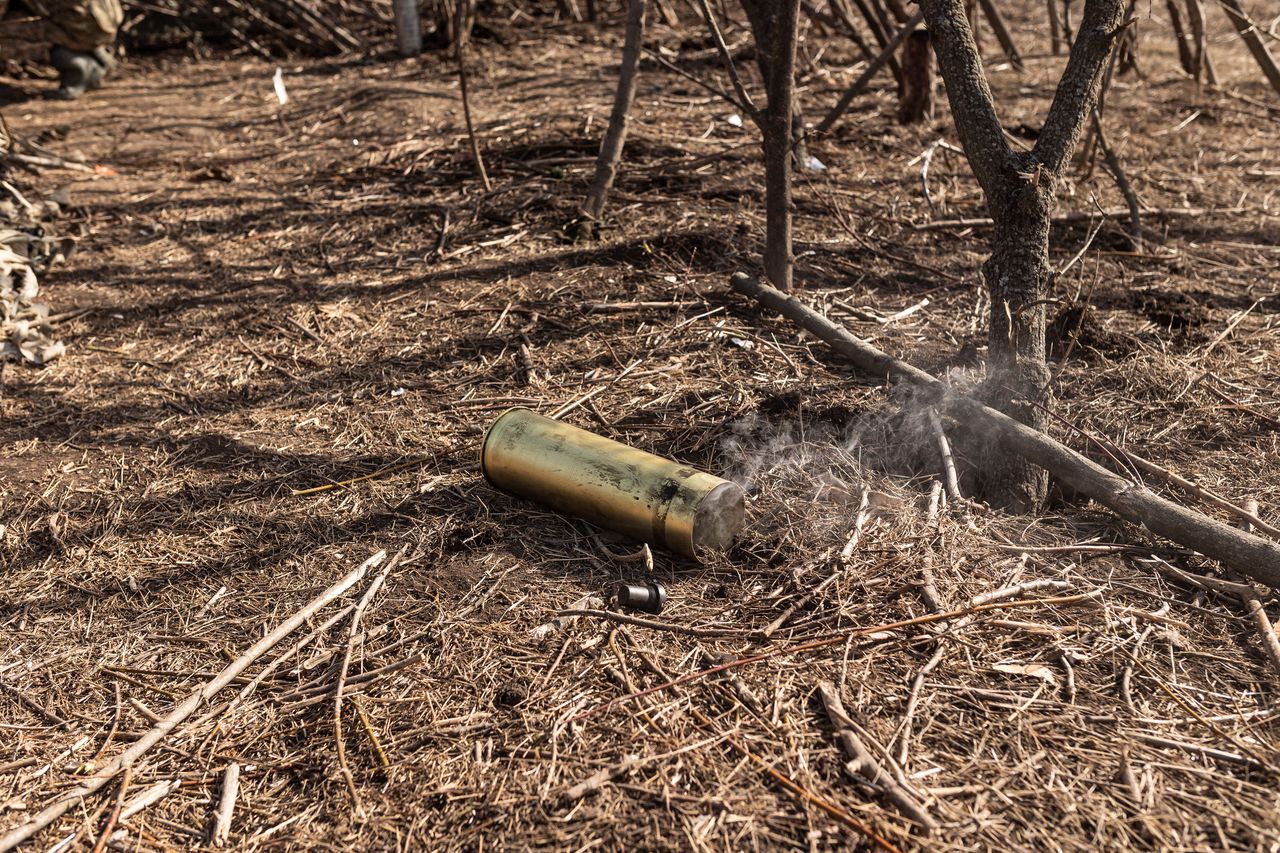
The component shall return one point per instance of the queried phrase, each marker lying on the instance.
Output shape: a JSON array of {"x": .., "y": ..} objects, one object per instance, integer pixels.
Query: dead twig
[
  {"x": 865, "y": 766},
  {"x": 66, "y": 801}
]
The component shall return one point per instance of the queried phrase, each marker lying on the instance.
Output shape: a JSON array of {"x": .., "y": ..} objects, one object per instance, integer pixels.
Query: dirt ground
[{"x": 298, "y": 320}]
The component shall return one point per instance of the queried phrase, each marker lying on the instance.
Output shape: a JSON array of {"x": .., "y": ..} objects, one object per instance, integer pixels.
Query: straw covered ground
[{"x": 296, "y": 321}]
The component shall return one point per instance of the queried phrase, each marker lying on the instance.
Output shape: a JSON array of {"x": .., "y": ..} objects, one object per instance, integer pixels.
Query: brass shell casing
[{"x": 626, "y": 490}]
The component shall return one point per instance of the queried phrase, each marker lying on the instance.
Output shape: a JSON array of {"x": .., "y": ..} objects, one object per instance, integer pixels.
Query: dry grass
[{"x": 302, "y": 324}]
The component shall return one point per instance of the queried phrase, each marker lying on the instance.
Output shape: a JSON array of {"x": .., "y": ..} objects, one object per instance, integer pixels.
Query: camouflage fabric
[{"x": 79, "y": 25}]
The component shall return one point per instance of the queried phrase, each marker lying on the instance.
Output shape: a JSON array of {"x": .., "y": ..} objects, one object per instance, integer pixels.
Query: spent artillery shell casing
[{"x": 629, "y": 491}]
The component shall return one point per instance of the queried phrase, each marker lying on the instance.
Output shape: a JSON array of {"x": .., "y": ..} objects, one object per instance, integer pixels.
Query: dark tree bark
[
  {"x": 1019, "y": 189},
  {"x": 615, "y": 135},
  {"x": 774, "y": 24},
  {"x": 916, "y": 103}
]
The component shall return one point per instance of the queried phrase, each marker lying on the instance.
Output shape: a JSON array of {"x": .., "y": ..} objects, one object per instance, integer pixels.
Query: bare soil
[{"x": 301, "y": 318}]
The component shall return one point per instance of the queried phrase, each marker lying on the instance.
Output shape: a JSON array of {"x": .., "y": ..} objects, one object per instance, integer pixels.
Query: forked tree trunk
[
  {"x": 615, "y": 136},
  {"x": 1019, "y": 189},
  {"x": 774, "y": 24},
  {"x": 1249, "y": 32},
  {"x": 916, "y": 103}
]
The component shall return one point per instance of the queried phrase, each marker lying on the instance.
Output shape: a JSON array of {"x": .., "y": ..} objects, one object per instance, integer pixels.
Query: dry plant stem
[
  {"x": 615, "y": 135},
  {"x": 352, "y": 633},
  {"x": 1122, "y": 181},
  {"x": 226, "y": 805},
  {"x": 799, "y": 790},
  {"x": 1235, "y": 549},
  {"x": 1258, "y": 614},
  {"x": 1075, "y": 216},
  {"x": 624, "y": 619},
  {"x": 1244, "y": 514},
  {"x": 459, "y": 51},
  {"x": 185, "y": 709},
  {"x": 101, "y": 843},
  {"x": 951, "y": 481},
  {"x": 858, "y": 86},
  {"x": 833, "y": 640},
  {"x": 725, "y": 57},
  {"x": 913, "y": 700},
  {"x": 863, "y": 764},
  {"x": 1249, "y": 32}
]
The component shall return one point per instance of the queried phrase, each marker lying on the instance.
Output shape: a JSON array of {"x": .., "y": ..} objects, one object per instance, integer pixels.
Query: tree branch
[
  {"x": 752, "y": 111},
  {"x": 1077, "y": 92},
  {"x": 972, "y": 107}
]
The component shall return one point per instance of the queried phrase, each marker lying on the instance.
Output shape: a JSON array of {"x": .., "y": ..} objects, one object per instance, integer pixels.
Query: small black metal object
[{"x": 645, "y": 597}]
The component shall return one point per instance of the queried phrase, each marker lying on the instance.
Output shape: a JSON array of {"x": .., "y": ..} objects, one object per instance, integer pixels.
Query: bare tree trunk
[
  {"x": 1020, "y": 192},
  {"x": 1185, "y": 57},
  {"x": 1249, "y": 32},
  {"x": 774, "y": 24},
  {"x": 461, "y": 35},
  {"x": 1055, "y": 27},
  {"x": 615, "y": 135},
  {"x": 916, "y": 103},
  {"x": 992, "y": 13},
  {"x": 1203, "y": 64},
  {"x": 408, "y": 27},
  {"x": 858, "y": 86}
]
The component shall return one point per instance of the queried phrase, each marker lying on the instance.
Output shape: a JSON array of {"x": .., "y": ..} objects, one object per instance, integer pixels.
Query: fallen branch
[
  {"x": 864, "y": 765},
  {"x": 226, "y": 805},
  {"x": 1235, "y": 549},
  {"x": 185, "y": 709},
  {"x": 1257, "y": 613}
]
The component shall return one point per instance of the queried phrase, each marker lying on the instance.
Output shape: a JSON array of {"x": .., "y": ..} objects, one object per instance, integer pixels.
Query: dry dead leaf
[{"x": 1035, "y": 670}]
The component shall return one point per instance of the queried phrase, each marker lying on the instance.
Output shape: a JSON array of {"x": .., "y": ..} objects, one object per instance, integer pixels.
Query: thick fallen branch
[
  {"x": 1235, "y": 549},
  {"x": 185, "y": 709}
]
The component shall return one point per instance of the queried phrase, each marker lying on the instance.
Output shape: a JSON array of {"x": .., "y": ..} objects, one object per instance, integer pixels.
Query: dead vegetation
[{"x": 298, "y": 319}]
